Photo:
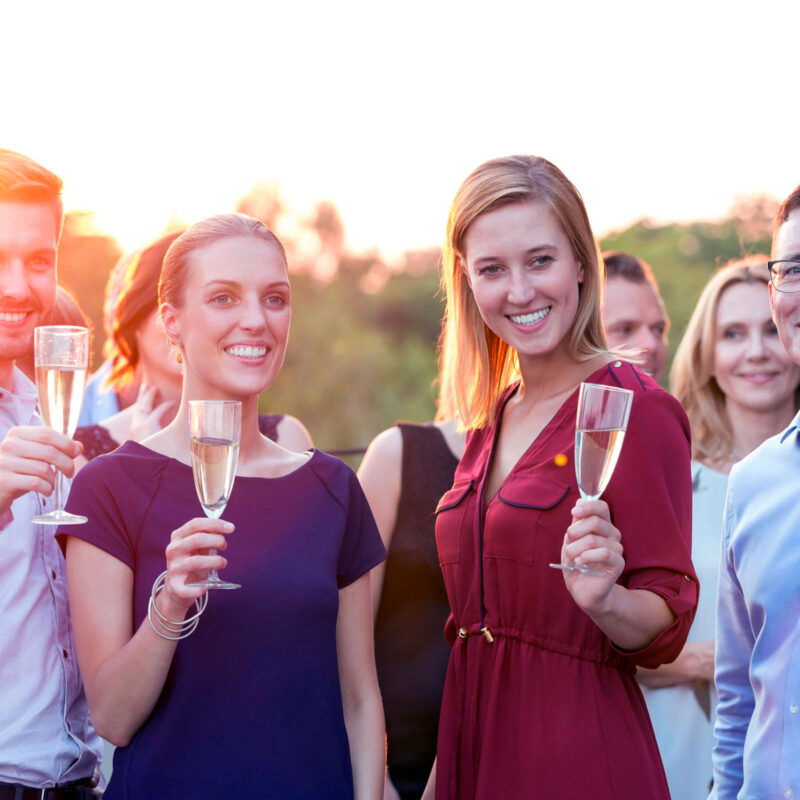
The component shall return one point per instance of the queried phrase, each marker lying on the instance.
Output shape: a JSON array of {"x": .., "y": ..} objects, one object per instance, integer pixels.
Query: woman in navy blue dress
[{"x": 274, "y": 694}]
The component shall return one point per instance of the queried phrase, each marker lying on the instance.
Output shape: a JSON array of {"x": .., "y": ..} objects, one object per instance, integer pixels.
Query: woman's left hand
[{"x": 593, "y": 542}]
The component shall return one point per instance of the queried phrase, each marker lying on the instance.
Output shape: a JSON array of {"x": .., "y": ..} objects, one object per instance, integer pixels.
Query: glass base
[
  {"x": 573, "y": 568},
  {"x": 210, "y": 583},
  {"x": 59, "y": 517}
]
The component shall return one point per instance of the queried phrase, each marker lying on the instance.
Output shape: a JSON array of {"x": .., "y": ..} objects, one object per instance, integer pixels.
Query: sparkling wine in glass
[
  {"x": 216, "y": 427},
  {"x": 61, "y": 359},
  {"x": 602, "y": 420}
]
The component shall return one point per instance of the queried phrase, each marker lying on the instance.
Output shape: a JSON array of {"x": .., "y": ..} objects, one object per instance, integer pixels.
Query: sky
[{"x": 159, "y": 110}]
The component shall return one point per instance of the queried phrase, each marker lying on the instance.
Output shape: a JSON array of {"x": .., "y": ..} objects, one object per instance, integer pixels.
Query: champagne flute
[
  {"x": 603, "y": 413},
  {"x": 216, "y": 427},
  {"x": 61, "y": 358}
]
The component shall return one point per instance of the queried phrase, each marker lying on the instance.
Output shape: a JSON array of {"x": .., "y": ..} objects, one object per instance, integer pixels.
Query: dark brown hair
[
  {"x": 137, "y": 299},
  {"x": 624, "y": 265}
]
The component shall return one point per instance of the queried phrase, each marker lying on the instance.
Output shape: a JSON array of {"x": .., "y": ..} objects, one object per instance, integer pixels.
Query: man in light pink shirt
[{"x": 48, "y": 749}]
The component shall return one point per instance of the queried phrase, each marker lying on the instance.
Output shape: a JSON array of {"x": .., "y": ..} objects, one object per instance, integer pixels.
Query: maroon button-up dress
[{"x": 551, "y": 708}]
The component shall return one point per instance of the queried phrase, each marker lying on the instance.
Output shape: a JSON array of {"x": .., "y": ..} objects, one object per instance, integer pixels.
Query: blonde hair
[
  {"x": 691, "y": 378},
  {"x": 475, "y": 363}
]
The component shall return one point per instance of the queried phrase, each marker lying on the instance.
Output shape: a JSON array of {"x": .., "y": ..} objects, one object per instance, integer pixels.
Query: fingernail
[{"x": 228, "y": 526}]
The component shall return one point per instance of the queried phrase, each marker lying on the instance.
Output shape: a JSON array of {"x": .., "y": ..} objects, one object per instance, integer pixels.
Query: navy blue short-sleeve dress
[{"x": 252, "y": 705}]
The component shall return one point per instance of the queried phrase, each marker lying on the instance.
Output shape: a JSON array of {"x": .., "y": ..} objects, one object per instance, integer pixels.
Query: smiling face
[
  {"x": 233, "y": 321},
  {"x": 751, "y": 367},
  {"x": 28, "y": 241},
  {"x": 524, "y": 276},
  {"x": 634, "y": 317},
  {"x": 786, "y": 305}
]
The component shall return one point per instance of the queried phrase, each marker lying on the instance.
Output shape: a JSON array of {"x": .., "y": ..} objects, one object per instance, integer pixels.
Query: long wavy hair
[{"x": 475, "y": 364}]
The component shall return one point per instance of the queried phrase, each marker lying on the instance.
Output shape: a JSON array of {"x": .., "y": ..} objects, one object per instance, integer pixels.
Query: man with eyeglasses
[{"x": 757, "y": 670}]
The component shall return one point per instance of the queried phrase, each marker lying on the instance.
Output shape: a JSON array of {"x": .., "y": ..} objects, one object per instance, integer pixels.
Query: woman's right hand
[
  {"x": 189, "y": 560},
  {"x": 148, "y": 417}
]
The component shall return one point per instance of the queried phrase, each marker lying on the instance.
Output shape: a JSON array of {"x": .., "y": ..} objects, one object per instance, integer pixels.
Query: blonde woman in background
[{"x": 738, "y": 387}]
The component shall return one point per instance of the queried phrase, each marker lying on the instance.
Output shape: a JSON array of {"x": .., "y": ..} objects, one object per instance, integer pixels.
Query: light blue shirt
[
  {"x": 45, "y": 734},
  {"x": 757, "y": 669},
  {"x": 99, "y": 401}
]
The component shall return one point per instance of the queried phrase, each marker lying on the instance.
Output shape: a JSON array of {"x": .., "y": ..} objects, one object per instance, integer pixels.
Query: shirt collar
[{"x": 793, "y": 427}]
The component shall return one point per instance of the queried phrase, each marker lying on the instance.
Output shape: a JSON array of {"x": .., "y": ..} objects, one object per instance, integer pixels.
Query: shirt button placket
[
  {"x": 794, "y": 708},
  {"x": 788, "y": 792}
]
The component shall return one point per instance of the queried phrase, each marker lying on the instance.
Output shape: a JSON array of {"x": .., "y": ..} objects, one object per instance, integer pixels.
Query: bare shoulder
[
  {"x": 384, "y": 454},
  {"x": 293, "y": 435},
  {"x": 455, "y": 438}
]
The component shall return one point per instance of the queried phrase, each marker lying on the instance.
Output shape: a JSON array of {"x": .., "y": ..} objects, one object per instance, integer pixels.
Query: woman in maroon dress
[{"x": 540, "y": 699}]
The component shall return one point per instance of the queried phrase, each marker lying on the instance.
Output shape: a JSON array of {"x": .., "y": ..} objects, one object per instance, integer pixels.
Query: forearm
[
  {"x": 124, "y": 690},
  {"x": 695, "y": 663},
  {"x": 366, "y": 734},
  {"x": 631, "y": 618}
]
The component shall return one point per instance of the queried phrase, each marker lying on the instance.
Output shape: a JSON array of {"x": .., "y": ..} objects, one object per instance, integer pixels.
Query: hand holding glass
[
  {"x": 61, "y": 358},
  {"x": 602, "y": 420},
  {"x": 216, "y": 427}
]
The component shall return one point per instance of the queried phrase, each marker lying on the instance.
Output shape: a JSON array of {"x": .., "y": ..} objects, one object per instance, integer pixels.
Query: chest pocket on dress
[
  {"x": 450, "y": 514},
  {"x": 527, "y": 520}
]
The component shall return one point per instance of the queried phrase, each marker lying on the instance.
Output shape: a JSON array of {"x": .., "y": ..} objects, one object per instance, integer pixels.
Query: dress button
[
  {"x": 617, "y": 364},
  {"x": 462, "y": 633},
  {"x": 794, "y": 708}
]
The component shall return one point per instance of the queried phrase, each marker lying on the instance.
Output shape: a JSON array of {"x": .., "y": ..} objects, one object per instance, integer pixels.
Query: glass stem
[{"x": 57, "y": 493}]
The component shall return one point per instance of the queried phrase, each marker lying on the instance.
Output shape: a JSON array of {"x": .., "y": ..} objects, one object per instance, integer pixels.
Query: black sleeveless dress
[
  {"x": 97, "y": 441},
  {"x": 410, "y": 649}
]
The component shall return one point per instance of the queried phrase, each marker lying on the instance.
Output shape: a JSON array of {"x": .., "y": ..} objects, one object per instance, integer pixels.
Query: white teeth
[
  {"x": 246, "y": 351},
  {"x": 530, "y": 319},
  {"x": 12, "y": 316}
]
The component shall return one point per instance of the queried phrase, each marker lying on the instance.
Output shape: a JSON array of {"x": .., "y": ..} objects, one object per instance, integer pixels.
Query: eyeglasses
[{"x": 784, "y": 275}]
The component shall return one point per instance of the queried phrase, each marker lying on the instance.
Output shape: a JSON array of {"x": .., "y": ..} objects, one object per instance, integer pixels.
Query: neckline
[
  {"x": 170, "y": 460},
  {"x": 544, "y": 435}
]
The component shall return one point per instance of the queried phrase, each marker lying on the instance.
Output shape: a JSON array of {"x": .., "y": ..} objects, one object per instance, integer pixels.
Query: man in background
[
  {"x": 48, "y": 749},
  {"x": 633, "y": 311}
]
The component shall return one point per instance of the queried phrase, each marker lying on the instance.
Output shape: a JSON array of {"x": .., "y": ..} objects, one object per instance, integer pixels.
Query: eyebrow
[
  {"x": 528, "y": 253},
  {"x": 235, "y": 284}
]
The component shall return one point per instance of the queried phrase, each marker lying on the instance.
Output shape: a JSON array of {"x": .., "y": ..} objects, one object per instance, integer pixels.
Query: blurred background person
[
  {"x": 141, "y": 353},
  {"x": 739, "y": 387},
  {"x": 406, "y": 470},
  {"x": 633, "y": 311},
  {"x": 66, "y": 311},
  {"x": 101, "y": 399}
]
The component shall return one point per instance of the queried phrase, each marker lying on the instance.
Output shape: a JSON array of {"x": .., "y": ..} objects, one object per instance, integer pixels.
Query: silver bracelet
[{"x": 181, "y": 629}]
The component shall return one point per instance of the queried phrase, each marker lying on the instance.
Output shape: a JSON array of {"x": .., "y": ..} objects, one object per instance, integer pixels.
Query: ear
[{"x": 169, "y": 321}]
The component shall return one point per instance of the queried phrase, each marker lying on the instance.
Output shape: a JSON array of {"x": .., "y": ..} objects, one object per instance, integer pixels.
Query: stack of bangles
[{"x": 174, "y": 630}]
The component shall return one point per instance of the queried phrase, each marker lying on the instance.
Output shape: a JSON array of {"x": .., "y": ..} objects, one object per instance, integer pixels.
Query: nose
[
  {"x": 756, "y": 347},
  {"x": 14, "y": 284},
  {"x": 521, "y": 289},
  {"x": 253, "y": 316}
]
